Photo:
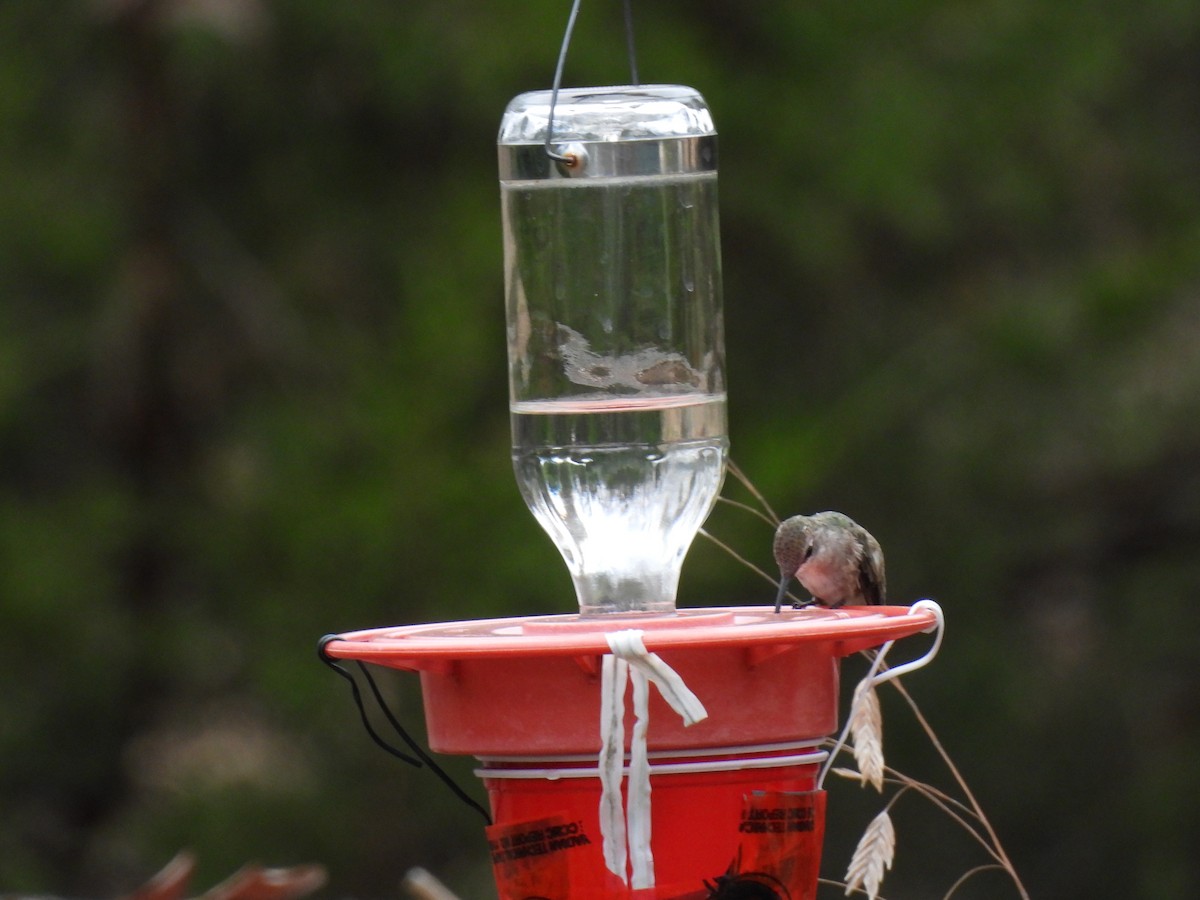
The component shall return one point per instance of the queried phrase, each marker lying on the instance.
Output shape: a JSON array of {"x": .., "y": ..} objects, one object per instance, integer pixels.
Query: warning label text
[
  {"x": 777, "y": 820},
  {"x": 537, "y": 841}
]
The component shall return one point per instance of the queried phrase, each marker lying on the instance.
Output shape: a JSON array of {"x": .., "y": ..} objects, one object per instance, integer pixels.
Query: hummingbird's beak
[{"x": 783, "y": 589}]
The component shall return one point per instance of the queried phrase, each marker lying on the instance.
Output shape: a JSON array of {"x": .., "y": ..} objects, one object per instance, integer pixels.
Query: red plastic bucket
[{"x": 708, "y": 806}]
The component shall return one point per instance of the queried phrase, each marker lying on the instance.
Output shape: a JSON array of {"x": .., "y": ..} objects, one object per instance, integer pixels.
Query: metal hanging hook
[{"x": 574, "y": 156}]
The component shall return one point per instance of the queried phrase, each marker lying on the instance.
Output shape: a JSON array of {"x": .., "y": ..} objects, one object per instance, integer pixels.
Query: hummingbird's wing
[{"x": 872, "y": 579}]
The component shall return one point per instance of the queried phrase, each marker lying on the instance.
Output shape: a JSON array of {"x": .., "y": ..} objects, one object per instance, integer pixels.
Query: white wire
[{"x": 874, "y": 677}]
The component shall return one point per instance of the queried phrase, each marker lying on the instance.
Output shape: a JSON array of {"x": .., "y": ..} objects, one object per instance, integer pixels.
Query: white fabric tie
[{"x": 626, "y": 833}]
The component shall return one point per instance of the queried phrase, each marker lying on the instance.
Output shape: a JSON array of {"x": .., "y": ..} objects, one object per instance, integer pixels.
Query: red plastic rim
[{"x": 850, "y": 629}]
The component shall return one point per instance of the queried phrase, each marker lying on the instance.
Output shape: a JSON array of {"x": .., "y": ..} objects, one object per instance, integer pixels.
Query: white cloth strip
[
  {"x": 614, "y": 674},
  {"x": 645, "y": 667},
  {"x": 628, "y": 645},
  {"x": 637, "y": 806}
]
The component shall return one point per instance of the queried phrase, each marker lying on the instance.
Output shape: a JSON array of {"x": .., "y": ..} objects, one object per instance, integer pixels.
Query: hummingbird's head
[{"x": 793, "y": 548}]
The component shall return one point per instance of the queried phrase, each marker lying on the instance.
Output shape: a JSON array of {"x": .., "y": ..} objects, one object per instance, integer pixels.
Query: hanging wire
[
  {"x": 421, "y": 757},
  {"x": 571, "y": 160}
]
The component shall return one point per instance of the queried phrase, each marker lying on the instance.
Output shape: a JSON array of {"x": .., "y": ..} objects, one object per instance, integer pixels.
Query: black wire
[
  {"x": 558, "y": 70},
  {"x": 358, "y": 701},
  {"x": 422, "y": 757},
  {"x": 420, "y": 751},
  {"x": 562, "y": 61}
]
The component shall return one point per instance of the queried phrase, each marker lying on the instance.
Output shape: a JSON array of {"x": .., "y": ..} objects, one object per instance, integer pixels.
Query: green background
[{"x": 252, "y": 390}]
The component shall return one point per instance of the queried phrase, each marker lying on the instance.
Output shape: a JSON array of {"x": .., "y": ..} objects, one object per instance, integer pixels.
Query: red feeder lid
[
  {"x": 849, "y": 630},
  {"x": 530, "y": 686}
]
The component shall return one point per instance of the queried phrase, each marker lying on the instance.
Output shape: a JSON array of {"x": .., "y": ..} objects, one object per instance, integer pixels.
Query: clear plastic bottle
[{"x": 615, "y": 332}]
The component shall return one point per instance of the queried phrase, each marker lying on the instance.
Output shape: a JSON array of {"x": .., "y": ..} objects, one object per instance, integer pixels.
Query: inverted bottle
[{"x": 615, "y": 332}]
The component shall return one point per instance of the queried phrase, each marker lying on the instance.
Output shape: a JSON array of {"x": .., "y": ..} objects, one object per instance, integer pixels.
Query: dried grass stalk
[
  {"x": 866, "y": 733},
  {"x": 872, "y": 857},
  {"x": 423, "y": 885}
]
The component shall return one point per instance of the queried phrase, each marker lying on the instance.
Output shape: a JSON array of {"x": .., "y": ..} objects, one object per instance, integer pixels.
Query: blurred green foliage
[{"x": 252, "y": 390}]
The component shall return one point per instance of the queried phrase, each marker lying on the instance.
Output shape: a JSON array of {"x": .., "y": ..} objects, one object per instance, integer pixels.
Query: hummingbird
[{"x": 833, "y": 557}]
